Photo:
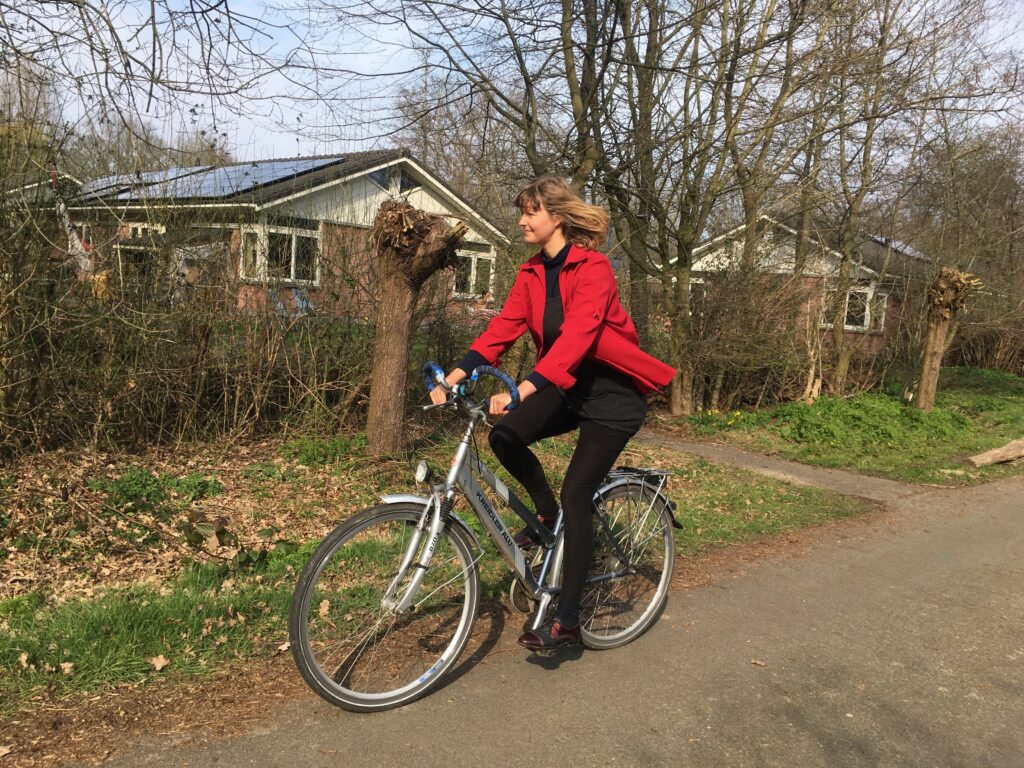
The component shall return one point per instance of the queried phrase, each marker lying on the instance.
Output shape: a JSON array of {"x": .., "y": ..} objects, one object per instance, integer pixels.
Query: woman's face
[{"x": 538, "y": 225}]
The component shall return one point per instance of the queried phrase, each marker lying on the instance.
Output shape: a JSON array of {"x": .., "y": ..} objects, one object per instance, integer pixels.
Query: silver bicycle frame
[{"x": 461, "y": 478}]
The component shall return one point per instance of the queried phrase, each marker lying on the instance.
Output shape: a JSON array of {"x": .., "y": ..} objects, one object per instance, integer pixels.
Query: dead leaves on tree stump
[
  {"x": 948, "y": 293},
  {"x": 414, "y": 242}
]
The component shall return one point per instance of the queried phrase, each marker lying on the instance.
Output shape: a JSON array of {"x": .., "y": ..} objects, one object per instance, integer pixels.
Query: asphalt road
[{"x": 903, "y": 647}]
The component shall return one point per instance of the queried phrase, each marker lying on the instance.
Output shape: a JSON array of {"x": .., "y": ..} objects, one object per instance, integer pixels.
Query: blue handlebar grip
[
  {"x": 431, "y": 373},
  {"x": 504, "y": 378}
]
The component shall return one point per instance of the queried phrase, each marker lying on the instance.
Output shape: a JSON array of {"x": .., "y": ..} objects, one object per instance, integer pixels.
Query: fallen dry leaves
[{"x": 58, "y": 536}]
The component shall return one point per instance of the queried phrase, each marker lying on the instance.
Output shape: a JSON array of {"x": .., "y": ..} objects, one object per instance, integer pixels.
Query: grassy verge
[
  {"x": 52, "y": 648},
  {"x": 192, "y": 620},
  {"x": 878, "y": 434}
]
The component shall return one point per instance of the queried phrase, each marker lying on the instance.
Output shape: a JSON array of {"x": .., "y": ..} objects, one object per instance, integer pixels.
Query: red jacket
[{"x": 596, "y": 325}]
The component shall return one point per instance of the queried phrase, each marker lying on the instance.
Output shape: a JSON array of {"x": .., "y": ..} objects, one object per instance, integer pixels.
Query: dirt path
[{"x": 841, "y": 481}]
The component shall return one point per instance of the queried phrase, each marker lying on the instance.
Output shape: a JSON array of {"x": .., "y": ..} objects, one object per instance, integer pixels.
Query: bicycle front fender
[
  {"x": 401, "y": 498},
  {"x": 412, "y": 498}
]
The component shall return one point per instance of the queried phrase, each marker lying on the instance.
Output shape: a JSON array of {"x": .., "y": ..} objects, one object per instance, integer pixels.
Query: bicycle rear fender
[
  {"x": 411, "y": 498},
  {"x": 634, "y": 481}
]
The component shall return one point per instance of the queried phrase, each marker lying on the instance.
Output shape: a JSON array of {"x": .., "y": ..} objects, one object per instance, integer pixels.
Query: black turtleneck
[{"x": 554, "y": 314}]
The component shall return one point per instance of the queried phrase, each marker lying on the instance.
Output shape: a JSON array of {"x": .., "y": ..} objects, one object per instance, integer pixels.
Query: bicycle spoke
[{"x": 633, "y": 557}]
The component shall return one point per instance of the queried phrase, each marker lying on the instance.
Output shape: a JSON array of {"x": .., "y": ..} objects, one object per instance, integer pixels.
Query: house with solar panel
[{"x": 289, "y": 235}]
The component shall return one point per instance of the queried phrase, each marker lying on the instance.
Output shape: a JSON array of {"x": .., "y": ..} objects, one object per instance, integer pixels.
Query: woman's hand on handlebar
[
  {"x": 439, "y": 395},
  {"x": 500, "y": 401}
]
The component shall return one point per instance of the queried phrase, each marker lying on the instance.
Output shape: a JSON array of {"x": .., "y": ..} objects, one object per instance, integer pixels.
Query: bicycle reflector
[{"x": 423, "y": 472}]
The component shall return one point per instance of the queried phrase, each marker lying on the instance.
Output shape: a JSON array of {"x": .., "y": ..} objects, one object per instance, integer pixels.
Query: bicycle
[{"x": 386, "y": 603}]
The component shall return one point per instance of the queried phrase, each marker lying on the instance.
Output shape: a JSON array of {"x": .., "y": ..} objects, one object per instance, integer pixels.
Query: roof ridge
[{"x": 331, "y": 156}]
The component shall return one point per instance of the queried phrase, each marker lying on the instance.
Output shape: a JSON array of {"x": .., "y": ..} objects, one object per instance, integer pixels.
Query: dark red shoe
[
  {"x": 526, "y": 538},
  {"x": 550, "y": 635}
]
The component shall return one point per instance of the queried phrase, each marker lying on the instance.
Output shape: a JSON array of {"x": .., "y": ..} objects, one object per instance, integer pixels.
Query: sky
[
  {"x": 271, "y": 122},
  {"x": 286, "y": 131}
]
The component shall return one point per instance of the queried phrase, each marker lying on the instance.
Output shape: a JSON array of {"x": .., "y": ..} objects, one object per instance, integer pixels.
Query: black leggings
[{"x": 545, "y": 414}]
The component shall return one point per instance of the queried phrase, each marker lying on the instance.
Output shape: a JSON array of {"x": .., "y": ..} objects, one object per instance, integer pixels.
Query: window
[
  {"x": 380, "y": 178},
  {"x": 393, "y": 179},
  {"x": 307, "y": 251},
  {"x": 407, "y": 183},
  {"x": 280, "y": 254},
  {"x": 474, "y": 275},
  {"x": 865, "y": 309}
]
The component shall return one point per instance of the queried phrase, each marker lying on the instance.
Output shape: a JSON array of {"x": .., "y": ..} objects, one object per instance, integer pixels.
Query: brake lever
[{"x": 432, "y": 406}]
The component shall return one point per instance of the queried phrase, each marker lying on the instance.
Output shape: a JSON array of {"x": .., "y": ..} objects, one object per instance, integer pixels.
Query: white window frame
[
  {"x": 138, "y": 230},
  {"x": 871, "y": 295},
  {"x": 260, "y": 273},
  {"x": 476, "y": 256}
]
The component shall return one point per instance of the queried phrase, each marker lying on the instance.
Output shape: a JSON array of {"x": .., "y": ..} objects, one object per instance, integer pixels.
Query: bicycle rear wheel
[
  {"x": 353, "y": 651},
  {"x": 627, "y": 585}
]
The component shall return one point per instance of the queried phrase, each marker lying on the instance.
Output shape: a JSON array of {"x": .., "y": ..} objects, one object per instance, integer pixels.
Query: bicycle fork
[{"x": 431, "y": 524}]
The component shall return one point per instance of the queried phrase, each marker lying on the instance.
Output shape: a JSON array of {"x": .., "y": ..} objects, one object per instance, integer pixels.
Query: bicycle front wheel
[
  {"x": 634, "y": 551},
  {"x": 349, "y": 646}
]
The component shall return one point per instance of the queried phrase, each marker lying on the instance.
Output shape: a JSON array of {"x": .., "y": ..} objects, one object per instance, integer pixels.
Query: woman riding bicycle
[{"x": 590, "y": 374}]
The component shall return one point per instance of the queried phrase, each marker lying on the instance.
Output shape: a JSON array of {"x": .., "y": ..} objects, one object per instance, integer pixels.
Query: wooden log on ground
[{"x": 1009, "y": 452}]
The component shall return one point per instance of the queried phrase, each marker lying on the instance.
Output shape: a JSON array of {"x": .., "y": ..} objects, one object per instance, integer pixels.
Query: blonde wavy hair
[{"x": 584, "y": 224}]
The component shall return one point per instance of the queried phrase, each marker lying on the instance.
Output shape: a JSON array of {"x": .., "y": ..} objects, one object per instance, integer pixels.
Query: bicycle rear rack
[{"x": 647, "y": 477}]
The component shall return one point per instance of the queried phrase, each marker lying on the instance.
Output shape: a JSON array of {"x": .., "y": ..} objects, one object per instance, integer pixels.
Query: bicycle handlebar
[
  {"x": 504, "y": 378},
  {"x": 433, "y": 376}
]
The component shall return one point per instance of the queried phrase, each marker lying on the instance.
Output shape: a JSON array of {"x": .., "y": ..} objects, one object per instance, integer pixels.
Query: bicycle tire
[
  {"x": 353, "y": 652},
  {"x": 619, "y": 610}
]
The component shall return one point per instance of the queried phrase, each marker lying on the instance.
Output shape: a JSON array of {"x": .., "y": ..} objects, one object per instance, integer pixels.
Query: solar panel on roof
[
  {"x": 106, "y": 182},
  {"x": 228, "y": 180},
  {"x": 130, "y": 181}
]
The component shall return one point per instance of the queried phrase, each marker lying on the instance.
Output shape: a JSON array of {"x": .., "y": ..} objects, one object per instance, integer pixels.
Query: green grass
[
  {"x": 139, "y": 490},
  {"x": 196, "y": 621},
  {"x": 878, "y": 434},
  {"x": 318, "y": 452},
  {"x": 721, "y": 505}
]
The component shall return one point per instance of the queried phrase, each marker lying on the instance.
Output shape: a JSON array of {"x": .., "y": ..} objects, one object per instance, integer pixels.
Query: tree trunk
[
  {"x": 1009, "y": 452},
  {"x": 639, "y": 303},
  {"x": 384, "y": 421},
  {"x": 411, "y": 245},
  {"x": 945, "y": 298},
  {"x": 716, "y": 392},
  {"x": 931, "y": 362},
  {"x": 681, "y": 392}
]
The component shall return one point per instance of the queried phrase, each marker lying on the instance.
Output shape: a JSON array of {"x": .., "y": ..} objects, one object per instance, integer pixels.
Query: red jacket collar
[{"x": 536, "y": 262}]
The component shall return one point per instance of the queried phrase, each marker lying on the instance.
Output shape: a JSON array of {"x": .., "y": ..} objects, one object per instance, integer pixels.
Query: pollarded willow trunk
[
  {"x": 945, "y": 298},
  {"x": 410, "y": 246}
]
